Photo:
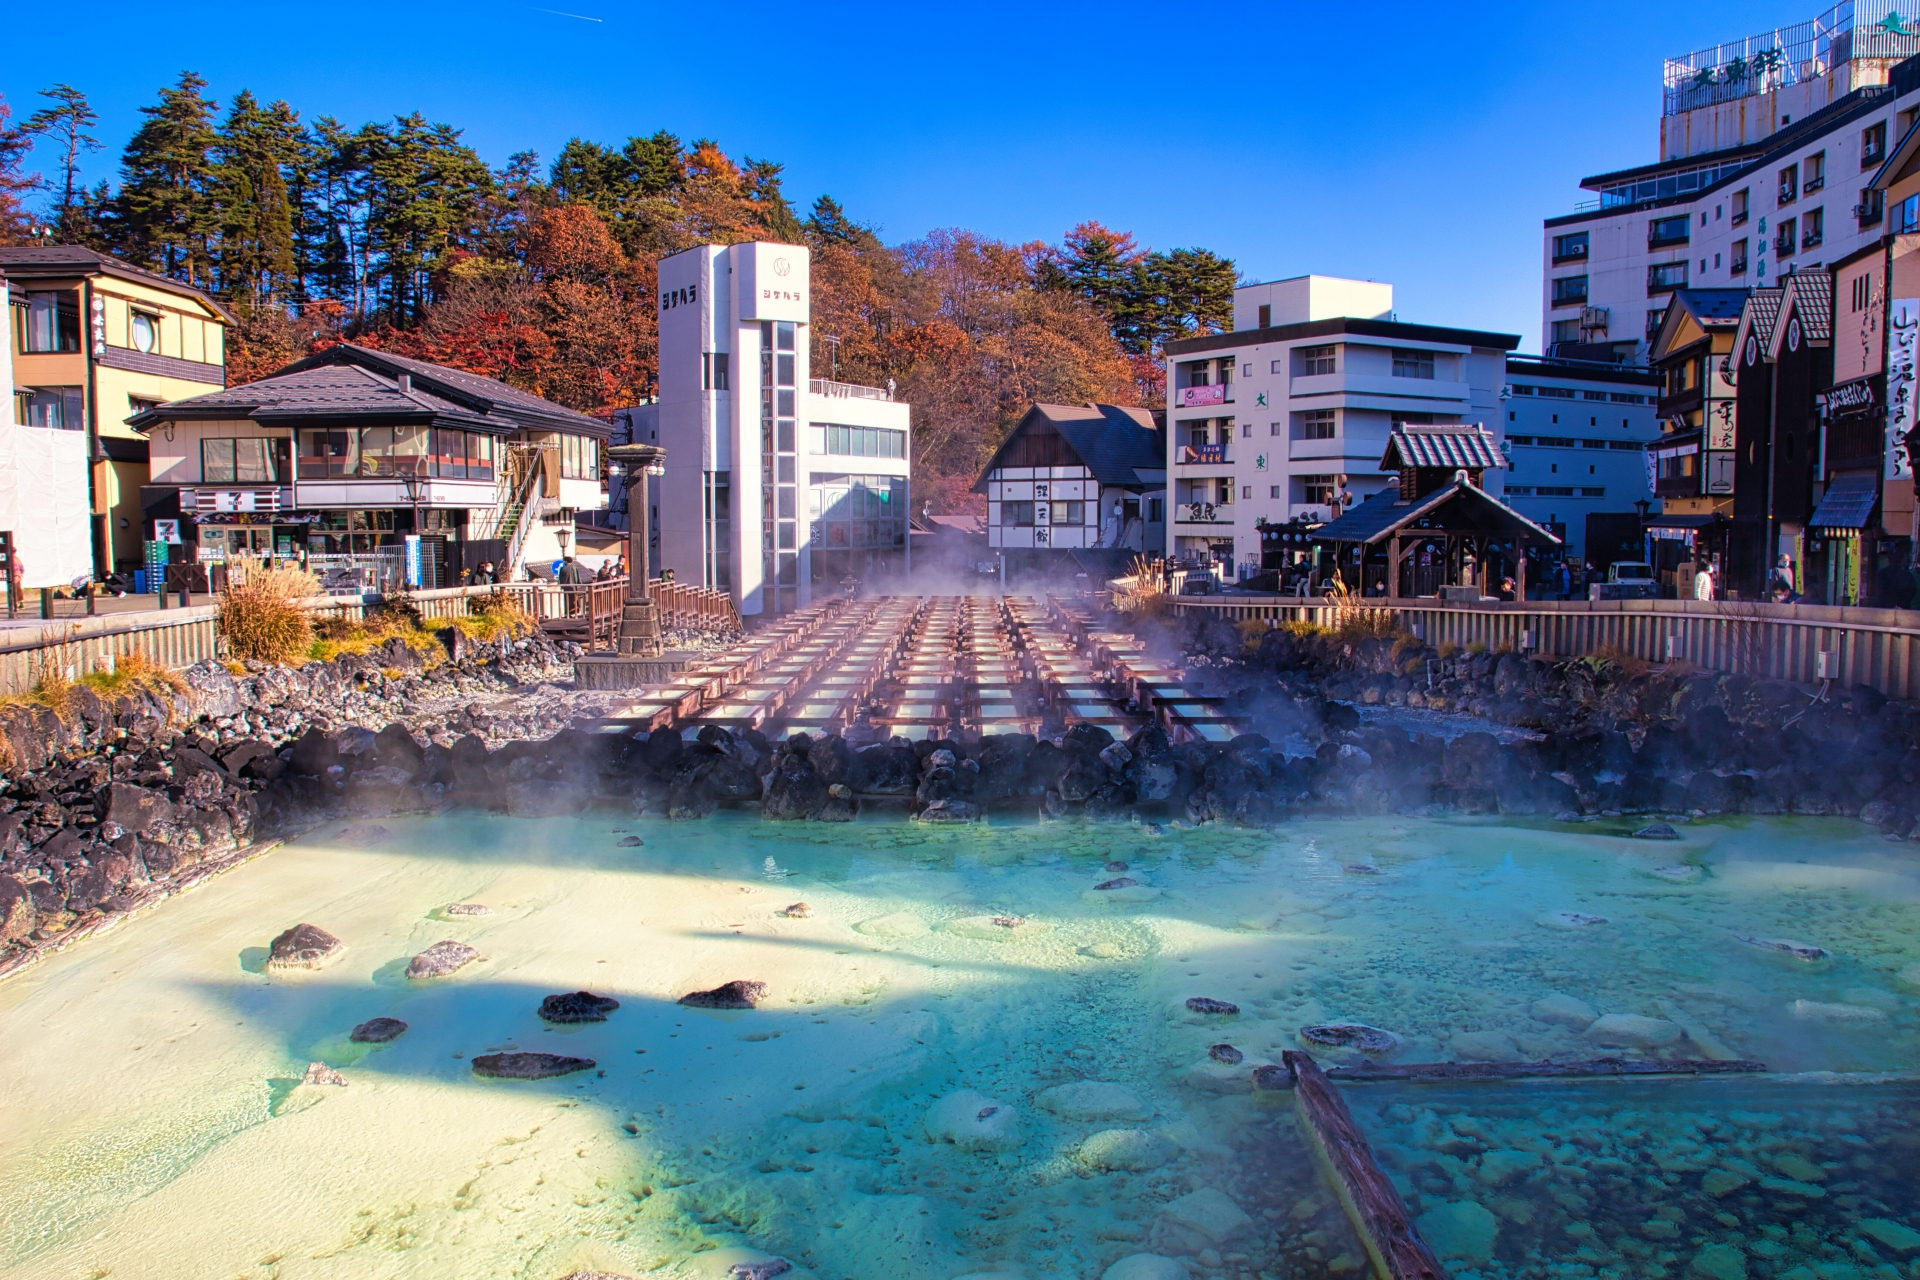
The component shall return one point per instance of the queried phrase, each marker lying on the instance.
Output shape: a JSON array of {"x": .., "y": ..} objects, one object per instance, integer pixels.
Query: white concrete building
[
  {"x": 1575, "y": 442},
  {"x": 778, "y": 483},
  {"x": 1288, "y": 415},
  {"x": 1769, "y": 145}
]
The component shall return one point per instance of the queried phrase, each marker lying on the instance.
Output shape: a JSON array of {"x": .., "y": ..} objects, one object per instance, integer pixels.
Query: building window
[
  {"x": 1246, "y": 491},
  {"x": 1737, "y": 257},
  {"x": 579, "y": 458},
  {"x": 1873, "y": 145},
  {"x": 1741, "y": 200},
  {"x": 48, "y": 324},
  {"x": 1318, "y": 424},
  {"x": 377, "y": 452},
  {"x": 861, "y": 442},
  {"x": 1786, "y": 242},
  {"x": 251, "y": 461},
  {"x": 1156, "y": 510},
  {"x": 61, "y": 408},
  {"x": 1663, "y": 232},
  {"x": 1316, "y": 491},
  {"x": 1665, "y": 277},
  {"x": 1789, "y": 185},
  {"x": 1278, "y": 367},
  {"x": 1266, "y": 316},
  {"x": 1813, "y": 227},
  {"x": 1570, "y": 291},
  {"x": 1654, "y": 320},
  {"x": 1273, "y": 428},
  {"x": 1566, "y": 331},
  {"x": 1273, "y": 491},
  {"x": 1872, "y": 206},
  {"x": 714, "y": 370},
  {"x": 144, "y": 332},
  {"x": 1906, "y": 217},
  {"x": 1318, "y": 360},
  {"x": 1068, "y": 512},
  {"x": 1570, "y": 248},
  {"x": 1015, "y": 515},
  {"x": 1416, "y": 364},
  {"x": 1813, "y": 173},
  {"x": 1859, "y": 292}
]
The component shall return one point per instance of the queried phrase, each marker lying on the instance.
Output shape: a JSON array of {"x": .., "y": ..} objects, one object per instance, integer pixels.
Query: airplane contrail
[{"x": 561, "y": 14}]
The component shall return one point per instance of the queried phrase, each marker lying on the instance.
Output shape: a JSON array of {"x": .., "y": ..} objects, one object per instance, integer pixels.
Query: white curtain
[{"x": 44, "y": 503}]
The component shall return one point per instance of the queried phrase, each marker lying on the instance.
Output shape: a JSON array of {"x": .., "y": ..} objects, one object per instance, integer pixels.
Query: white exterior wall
[
  {"x": 1618, "y": 257},
  {"x": 712, "y": 301},
  {"x": 1303, "y": 298},
  {"x": 1608, "y": 424},
  {"x": 1268, "y": 459}
]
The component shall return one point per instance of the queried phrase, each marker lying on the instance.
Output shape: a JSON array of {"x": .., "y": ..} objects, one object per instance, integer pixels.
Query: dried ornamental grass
[{"x": 261, "y": 619}]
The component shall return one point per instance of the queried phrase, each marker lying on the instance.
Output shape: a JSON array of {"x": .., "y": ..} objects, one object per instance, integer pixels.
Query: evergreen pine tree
[
  {"x": 256, "y": 220},
  {"x": 68, "y": 124},
  {"x": 165, "y": 219}
]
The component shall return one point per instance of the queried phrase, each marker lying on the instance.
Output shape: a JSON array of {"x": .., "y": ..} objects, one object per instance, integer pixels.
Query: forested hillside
[{"x": 399, "y": 235}]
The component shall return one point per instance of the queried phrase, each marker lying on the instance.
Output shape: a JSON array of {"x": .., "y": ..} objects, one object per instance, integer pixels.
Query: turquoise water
[{"x": 926, "y": 1092}]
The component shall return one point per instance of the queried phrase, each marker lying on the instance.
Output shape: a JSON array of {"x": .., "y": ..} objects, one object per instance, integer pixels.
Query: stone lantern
[{"x": 639, "y": 625}]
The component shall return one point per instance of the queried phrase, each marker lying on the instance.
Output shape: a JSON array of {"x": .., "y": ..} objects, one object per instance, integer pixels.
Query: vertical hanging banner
[{"x": 1903, "y": 345}]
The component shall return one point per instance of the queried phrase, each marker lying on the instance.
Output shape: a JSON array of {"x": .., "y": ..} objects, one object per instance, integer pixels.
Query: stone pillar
[{"x": 639, "y": 625}]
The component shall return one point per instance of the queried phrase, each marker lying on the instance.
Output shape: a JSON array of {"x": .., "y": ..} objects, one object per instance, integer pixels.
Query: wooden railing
[{"x": 1879, "y": 648}]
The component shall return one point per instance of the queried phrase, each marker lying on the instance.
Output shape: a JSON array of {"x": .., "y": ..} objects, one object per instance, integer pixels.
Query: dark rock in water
[
  {"x": 321, "y": 1073},
  {"x": 1798, "y": 950},
  {"x": 1356, "y": 1035},
  {"x": 577, "y": 1006},
  {"x": 765, "y": 1270},
  {"x": 1272, "y": 1077},
  {"x": 1657, "y": 831},
  {"x": 1207, "y": 1004},
  {"x": 528, "y": 1066},
  {"x": 1122, "y": 882},
  {"x": 1360, "y": 869},
  {"x": 1116, "y": 867},
  {"x": 469, "y": 909},
  {"x": 1009, "y": 922},
  {"x": 378, "y": 1031},
  {"x": 738, "y": 994},
  {"x": 441, "y": 959},
  {"x": 1226, "y": 1053},
  {"x": 798, "y": 911},
  {"x": 304, "y": 946},
  {"x": 632, "y": 842},
  {"x": 594, "y": 1275}
]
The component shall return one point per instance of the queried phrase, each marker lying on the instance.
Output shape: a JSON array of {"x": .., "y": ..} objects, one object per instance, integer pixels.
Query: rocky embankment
[
  {"x": 110, "y": 803},
  {"x": 117, "y": 805}
]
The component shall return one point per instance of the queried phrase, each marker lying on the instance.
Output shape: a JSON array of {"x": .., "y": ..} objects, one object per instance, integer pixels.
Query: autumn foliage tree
[{"x": 398, "y": 235}]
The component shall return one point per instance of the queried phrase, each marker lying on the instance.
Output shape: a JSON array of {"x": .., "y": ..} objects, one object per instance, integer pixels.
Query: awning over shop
[{"x": 1848, "y": 504}]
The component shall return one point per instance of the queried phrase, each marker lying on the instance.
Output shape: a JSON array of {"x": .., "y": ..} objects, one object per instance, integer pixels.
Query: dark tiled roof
[
  {"x": 27, "y": 261},
  {"x": 1113, "y": 442},
  {"x": 1464, "y": 445},
  {"x": 1712, "y": 308},
  {"x": 1757, "y": 317},
  {"x": 1384, "y": 513},
  {"x": 358, "y": 384},
  {"x": 1848, "y": 504},
  {"x": 1813, "y": 303}
]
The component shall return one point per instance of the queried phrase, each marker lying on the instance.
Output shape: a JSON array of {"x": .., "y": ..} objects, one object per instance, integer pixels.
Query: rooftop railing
[{"x": 847, "y": 390}]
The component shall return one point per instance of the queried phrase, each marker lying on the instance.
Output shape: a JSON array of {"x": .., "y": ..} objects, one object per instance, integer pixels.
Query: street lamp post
[{"x": 414, "y": 484}]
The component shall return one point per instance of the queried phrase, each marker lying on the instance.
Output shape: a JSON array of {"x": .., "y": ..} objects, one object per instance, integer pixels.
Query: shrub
[
  {"x": 134, "y": 671},
  {"x": 261, "y": 619},
  {"x": 1143, "y": 591},
  {"x": 494, "y": 617}
]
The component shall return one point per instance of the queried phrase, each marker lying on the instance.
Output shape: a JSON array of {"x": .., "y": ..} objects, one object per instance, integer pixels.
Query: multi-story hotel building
[
  {"x": 1286, "y": 417},
  {"x": 777, "y": 483},
  {"x": 1768, "y": 149}
]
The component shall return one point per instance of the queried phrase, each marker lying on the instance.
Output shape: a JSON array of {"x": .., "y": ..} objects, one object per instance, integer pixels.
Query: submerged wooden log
[
  {"x": 1372, "y": 1204},
  {"x": 1591, "y": 1067}
]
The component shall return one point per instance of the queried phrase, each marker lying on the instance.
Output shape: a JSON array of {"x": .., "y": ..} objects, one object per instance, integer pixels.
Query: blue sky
[{"x": 1419, "y": 144}]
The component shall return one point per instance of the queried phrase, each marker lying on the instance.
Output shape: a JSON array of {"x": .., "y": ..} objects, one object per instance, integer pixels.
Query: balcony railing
[
  {"x": 1810, "y": 240},
  {"x": 1571, "y": 255},
  {"x": 1667, "y": 239},
  {"x": 1783, "y": 244},
  {"x": 1570, "y": 299},
  {"x": 1813, "y": 185},
  {"x": 1203, "y": 453},
  {"x": 846, "y": 390}
]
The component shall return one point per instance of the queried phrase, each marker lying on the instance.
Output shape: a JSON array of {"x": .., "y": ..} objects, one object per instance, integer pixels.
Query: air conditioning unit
[{"x": 1593, "y": 317}]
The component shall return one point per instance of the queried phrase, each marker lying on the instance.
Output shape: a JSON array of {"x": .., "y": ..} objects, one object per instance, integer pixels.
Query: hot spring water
[{"x": 970, "y": 1061}]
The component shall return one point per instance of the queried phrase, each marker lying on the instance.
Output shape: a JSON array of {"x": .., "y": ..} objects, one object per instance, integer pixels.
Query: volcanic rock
[
  {"x": 16, "y": 909},
  {"x": 577, "y": 1006},
  {"x": 1134, "y": 1150},
  {"x": 1349, "y": 1035},
  {"x": 798, "y": 911},
  {"x": 631, "y": 842},
  {"x": 528, "y": 1066},
  {"x": 1798, "y": 950},
  {"x": 378, "y": 1031},
  {"x": 1225, "y": 1053},
  {"x": 304, "y": 946},
  {"x": 1632, "y": 1031},
  {"x": 469, "y": 909},
  {"x": 1207, "y": 1004},
  {"x": 1093, "y": 1100},
  {"x": 441, "y": 959},
  {"x": 738, "y": 994},
  {"x": 1657, "y": 831}
]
